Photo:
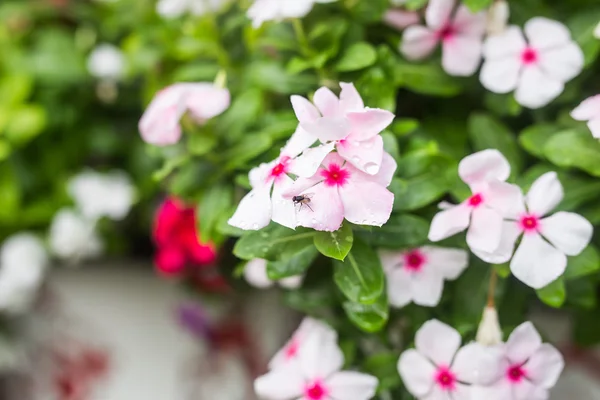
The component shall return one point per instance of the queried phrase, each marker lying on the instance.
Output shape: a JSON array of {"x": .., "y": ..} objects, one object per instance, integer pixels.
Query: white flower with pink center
[
  {"x": 440, "y": 369},
  {"x": 482, "y": 213},
  {"x": 339, "y": 191},
  {"x": 546, "y": 241},
  {"x": 528, "y": 369},
  {"x": 315, "y": 374},
  {"x": 461, "y": 34},
  {"x": 346, "y": 124},
  {"x": 418, "y": 275},
  {"x": 160, "y": 123},
  {"x": 589, "y": 110},
  {"x": 536, "y": 68},
  {"x": 255, "y": 274},
  {"x": 275, "y": 10}
]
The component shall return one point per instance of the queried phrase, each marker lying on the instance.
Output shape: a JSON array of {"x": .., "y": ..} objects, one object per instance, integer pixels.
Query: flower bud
[
  {"x": 489, "y": 332},
  {"x": 497, "y": 17}
]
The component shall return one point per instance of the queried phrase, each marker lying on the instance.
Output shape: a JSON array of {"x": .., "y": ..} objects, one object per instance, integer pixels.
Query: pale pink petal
[
  {"x": 416, "y": 372},
  {"x": 524, "y": 390},
  {"x": 468, "y": 23},
  {"x": 594, "y": 126},
  {"x": 500, "y": 390},
  {"x": 450, "y": 263},
  {"x": 427, "y": 287},
  {"x": 485, "y": 230},
  {"x": 522, "y": 343},
  {"x": 291, "y": 282},
  {"x": 500, "y": 75},
  {"x": 545, "y": 366},
  {"x": 478, "y": 364},
  {"x": 438, "y": 12},
  {"x": 302, "y": 186},
  {"x": 366, "y": 203},
  {"x": 386, "y": 171},
  {"x": 462, "y": 392},
  {"x": 399, "y": 287},
  {"x": 350, "y": 385},
  {"x": 255, "y": 273},
  {"x": 300, "y": 141},
  {"x": 369, "y": 122},
  {"x": 483, "y": 166},
  {"x": 258, "y": 176},
  {"x": 284, "y": 211},
  {"x": 327, "y": 102},
  {"x": 327, "y": 211},
  {"x": 367, "y": 155},
  {"x": 562, "y": 63},
  {"x": 588, "y": 109},
  {"x": 283, "y": 383},
  {"x": 543, "y": 33},
  {"x": 508, "y": 44},
  {"x": 461, "y": 55},
  {"x": 438, "y": 342},
  {"x": 505, "y": 198},
  {"x": 536, "y": 88},
  {"x": 254, "y": 211},
  {"x": 537, "y": 263},
  {"x": 305, "y": 111},
  {"x": 545, "y": 194},
  {"x": 539, "y": 393},
  {"x": 400, "y": 19},
  {"x": 569, "y": 232},
  {"x": 391, "y": 260},
  {"x": 160, "y": 123},
  {"x": 205, "y": 100},
  {"x": 328, "y": 128},
  {"x": 307, "y": 164},
  {"x": 320, "y": 355},
  {"x": 350, "y": 99},
  {"x": 504, "y": 252},
  {"x": 449, "y": 222},
  {"x": 437, "y": 393},
  {"x": 418, "y": 42}
]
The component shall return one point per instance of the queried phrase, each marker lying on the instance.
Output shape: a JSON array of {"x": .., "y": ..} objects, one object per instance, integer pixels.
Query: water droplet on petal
[
  {"x": 363, "y": 222},
  {"x": 371, "y": 168},
  {"x": 356, "y": 159}
]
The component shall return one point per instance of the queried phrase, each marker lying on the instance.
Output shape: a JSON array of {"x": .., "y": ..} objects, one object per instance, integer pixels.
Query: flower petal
[
  {"x": 160, "y": 123},
  {"x": 545, "y": 194},
  {"x": 449, "y": 222},
  {"x": 522, "y": 343},
  {"x": 485, "y": 231},
  {"x": 350, "y": 385},
  {"x": 504, "y": 252},
  {"x": 562, "y": 63},
  {"x": 390, "y": 259},
  {"x": 254, "y": 211},
  {"x": 307, "y": 164},
  {"x": 291, "y": 282},
  {"x": 369, "y": 122},
  {"x": 438, "y": 342},
  {"x": 588, "y": 109},
  {"x": 438, "y": 13},
  {"x": 508, "y": 44},
  {"x": 536, "y": 89},
  {"x": 327, "y": 102},
  {"x": 320, "y": 355},
  {"x": 255, "y": 273},
  {"x": 400, "y": 19},
  {"x": 478, "y": 364},
  {"x": 416, "y": 372},
  {"x": 284, "y": 211},
  {"x": 386, "y": 171},
  {"x": 536, "y": 263},
  {"x": 569, "y": 232},
  {"x": 350, "y": 99},
  {"x": 367, "y": 155},
  {"x": 483, "y": 166},
  {"x": 305, "y": 111},
  {"x": 300, "y": 141},
  {"x": 366, "y": 203},
  {"x": 418, "y": 42},
  {"x": 544, "y": 33},
  {"x": 328, "y": 128},
  {"x": 399, "y": 287},
  {"x": 427, "y": 287},
  {"x": 500, "y": 390},
  {"x": 326, "y": 211},
  {"x": 545, "y": 366},
  {"x": 469, "y": 23},
  {"x": 448, "y": 262},
  {"x": 505, "y": 198},
  {"x": 594, "y": 126},
  {"x": 461, "y": 55},
  {"x": 283, "y": 383},
  {"x": 205, "y": 100},
  {"x": 500, "y": 76}
]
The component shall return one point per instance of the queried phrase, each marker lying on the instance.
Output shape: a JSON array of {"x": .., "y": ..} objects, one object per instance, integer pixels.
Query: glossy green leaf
[
  {"x": 384, "y": 366},
  {"x": 297, "y": 264},
  {"x": 583, "y": 264},
  {"x": 574, "y": 149},
  {"x": 368, "y": 317},
  {"x": 477, "y": 5},
  {"x": 271, "y": 242},
  {"x": 534, "y": 137},
  {"x": 414, "y": 193},
  {"x": 336, "y": 244},
  {"x": 554, "y": 294},
  {"x": 401, "y": 230},
  {"x": 358, "y": 56},
  {"x": 215, "y": 201}
]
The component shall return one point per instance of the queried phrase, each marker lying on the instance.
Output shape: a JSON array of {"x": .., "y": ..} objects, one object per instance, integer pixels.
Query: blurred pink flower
[
  {"x": 589, "y": 110},
  {"x": 160, "y": 123},
  {"x": 440, "y": 369},
  {"x": 255, "y": 274},
  {"x": 269, "y": 10},
  {"x": 536, "y": 68},
  {"x": 461, "y": 34},
  {"x": 400, "y": 19},
  {"x": 528, "y": 368},
  {"x": 418, "y": 275}
]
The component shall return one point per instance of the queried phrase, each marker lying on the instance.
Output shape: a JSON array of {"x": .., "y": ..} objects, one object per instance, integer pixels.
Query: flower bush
[{"x": 327, "y": 145}]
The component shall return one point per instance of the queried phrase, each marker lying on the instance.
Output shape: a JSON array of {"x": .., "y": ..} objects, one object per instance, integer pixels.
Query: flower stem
[
  {"x": 492, "y": 288},
  {"x": 301, "y": 35}
]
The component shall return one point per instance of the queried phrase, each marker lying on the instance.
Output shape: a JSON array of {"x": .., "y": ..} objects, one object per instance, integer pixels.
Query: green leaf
[
  {"x": 217, "y": 200},
  {"x": 360, "y": 276},
  {"x": 311, "y": 299},
  {"x": 399, "y": 232},
  {"x": 200, "y": 144},
  {"x": 26, "y": 122},
  {"x": 335, "y": 244},
  {"x": 415, "y": 4},
  {"x": 295, "y": 265},
  {"x": 427, "y": 79},
  {"x": 272, "y": 242},
  {"x": 246, "y": 108},
  {"x": 358, "y": 56},
  {"x": 404, "y": 126},
  {"x": 583, "y": 264},
  {"x": 534, "y": 137},
  {"x": 246, "y": 149},
  {"x": 554, "y": 294},
  {"x": 384, "y": 367},
  {"x": 368, "y": 317},
  {"x": 477, "y": 5},
  {"x": 582, "y": 293},
  {"x": 582, "y": 27},
  {"x": 574, "y": 149},
  {"x": 586, "y": 327},
  {"x": 414, "y": 193},
  {"x": 486, "y": 132}
]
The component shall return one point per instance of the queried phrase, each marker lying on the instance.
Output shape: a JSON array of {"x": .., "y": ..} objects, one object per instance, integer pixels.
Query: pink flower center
[
  {"x": 315, "y": 391},
  {"x": 446, "y": 33},
  {"x": 475, "y": 200},
  {"x": 529, "y": 223},
  {"x": 529, "y": 56},
  {"x": 446, "y": 379},
  {"x": 279, "y": 169},
  {"x": 335, "y": 175},
  {"x": 292, "y": 349},
  {"x": 414, "y": 260},
  {"x": 515, "y": 373}
]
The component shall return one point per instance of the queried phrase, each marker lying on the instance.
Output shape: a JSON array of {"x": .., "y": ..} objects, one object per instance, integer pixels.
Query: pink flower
[
  {"x": 316, "y": 375},
  {"x": 418, "y": 275},
  {"x": 439, "y": 369},
  {"x": 461, "y": 35},
  {"x": 589, "y": 110},
  {"x": 542, "y": 255},
  {"x": 160, "y": 123},
  {"x": 528, "y": 368},
  {"x": 339, "y": 191},
  {"x": 255, "y": 273},
  {"x": 269, "y": 10},
  {"x": 346, "y": 122},
  {"x": 400, "y": 19},
  {"x": 536, "y": 69},
  {"x": 485, "y": 173}
]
